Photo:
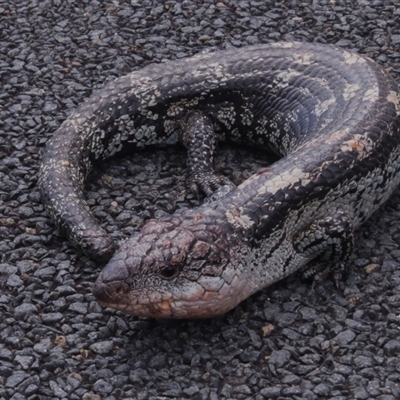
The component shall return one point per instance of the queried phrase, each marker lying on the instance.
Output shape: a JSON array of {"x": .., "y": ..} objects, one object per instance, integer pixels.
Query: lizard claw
[{"x": 210, "y": 184}]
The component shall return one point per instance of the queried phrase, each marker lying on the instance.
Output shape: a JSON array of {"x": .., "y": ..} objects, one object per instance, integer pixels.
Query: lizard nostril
[{"x": 109, "y": 293}]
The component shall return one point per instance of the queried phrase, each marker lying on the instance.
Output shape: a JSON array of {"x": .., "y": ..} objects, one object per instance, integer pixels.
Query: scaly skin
[{"x": 333, "y": 116}]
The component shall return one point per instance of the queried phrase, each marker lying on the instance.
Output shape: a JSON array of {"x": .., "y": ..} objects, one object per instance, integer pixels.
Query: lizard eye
[{"x": 170, "y": 272}]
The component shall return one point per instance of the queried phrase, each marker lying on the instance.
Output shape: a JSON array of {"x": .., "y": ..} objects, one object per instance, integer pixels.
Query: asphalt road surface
[{"x": 290, "y": 341}]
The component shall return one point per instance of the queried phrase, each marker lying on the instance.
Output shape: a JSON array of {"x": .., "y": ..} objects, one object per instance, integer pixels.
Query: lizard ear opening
[{"x": 170, "y": 272}]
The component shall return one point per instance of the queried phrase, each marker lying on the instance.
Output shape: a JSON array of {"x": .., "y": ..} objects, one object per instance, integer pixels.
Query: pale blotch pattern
[
  {"x": 316, "y": 106},
  {"x": 393, "y": 97}
]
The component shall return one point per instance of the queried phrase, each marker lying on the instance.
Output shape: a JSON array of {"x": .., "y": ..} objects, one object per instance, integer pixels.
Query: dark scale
[{"x": 332, "y": 117}]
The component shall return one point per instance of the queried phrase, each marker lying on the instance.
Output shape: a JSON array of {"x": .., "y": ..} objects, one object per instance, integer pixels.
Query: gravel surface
[{"x": 292, "y": 340}]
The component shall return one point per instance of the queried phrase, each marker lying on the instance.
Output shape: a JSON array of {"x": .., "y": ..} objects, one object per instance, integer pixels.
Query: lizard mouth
[
  {"x": 119, "y": 296},
  {"x": 116, "y": 295}
]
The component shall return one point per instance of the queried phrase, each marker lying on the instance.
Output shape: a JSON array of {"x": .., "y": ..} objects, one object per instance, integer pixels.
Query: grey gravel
[
  {"x": 102, "y": 347},
  {"x": 290, "y": 341}
]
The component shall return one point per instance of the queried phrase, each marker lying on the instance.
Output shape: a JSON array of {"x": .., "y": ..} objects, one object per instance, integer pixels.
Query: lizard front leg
[{"x": 328, "y": 243}]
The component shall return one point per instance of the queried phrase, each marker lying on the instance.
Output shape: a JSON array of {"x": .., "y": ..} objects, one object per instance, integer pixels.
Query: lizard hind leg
[
  {"x": 327, "y": 243},
  {"x": 198, "y": 136}
]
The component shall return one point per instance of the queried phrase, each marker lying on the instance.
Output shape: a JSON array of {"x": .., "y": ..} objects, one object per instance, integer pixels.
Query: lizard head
[{"x": 172, "y": 270}]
